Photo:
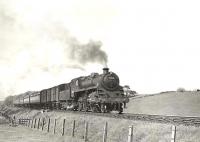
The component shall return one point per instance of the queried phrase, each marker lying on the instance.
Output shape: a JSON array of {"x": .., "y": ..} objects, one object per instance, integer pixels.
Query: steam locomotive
[{"x": 96, "y": 93}]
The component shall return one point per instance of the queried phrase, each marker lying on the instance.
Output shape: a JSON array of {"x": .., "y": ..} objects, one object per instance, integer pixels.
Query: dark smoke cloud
[
  {"x": 82, "y": 53},
  {"x": 86, "y": 53}
]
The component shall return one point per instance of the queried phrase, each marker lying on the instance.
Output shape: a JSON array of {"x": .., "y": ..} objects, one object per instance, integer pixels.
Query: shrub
[
  {"x": 8, "y": 101},
  {"x": 181, "y": 89}
]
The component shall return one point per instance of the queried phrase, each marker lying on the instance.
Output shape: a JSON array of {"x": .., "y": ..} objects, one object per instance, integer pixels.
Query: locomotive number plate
[{"x": 111, "y": 78}]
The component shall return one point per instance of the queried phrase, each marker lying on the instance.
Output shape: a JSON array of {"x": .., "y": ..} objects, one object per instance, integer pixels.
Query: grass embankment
[
  {"x": 3, "y": 120},
  {"x": 170, "y": 103},
  {"x": 117, "y": 129},
  {"x": 24, "y": 134}
]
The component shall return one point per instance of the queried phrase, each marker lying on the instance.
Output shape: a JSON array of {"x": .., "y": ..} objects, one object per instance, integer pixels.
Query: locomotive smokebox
[{"x": 105, "y": 70}]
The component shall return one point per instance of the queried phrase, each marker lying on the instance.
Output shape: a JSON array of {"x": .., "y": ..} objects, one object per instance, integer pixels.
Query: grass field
[
  {"x": 3, "y": 120},
  {"x": 171, "y": 103},
  {"x": 23, "y": 134}
]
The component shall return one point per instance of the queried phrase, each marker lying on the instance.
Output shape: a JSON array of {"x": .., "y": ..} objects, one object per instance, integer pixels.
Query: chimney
[{"x": 105, "y": 70}]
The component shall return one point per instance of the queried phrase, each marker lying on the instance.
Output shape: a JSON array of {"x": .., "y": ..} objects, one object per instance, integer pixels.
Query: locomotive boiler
[{"x": 96, "y": 93}]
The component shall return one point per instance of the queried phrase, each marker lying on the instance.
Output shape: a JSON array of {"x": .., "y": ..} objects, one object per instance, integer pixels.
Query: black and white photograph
[{"x": 99, "y": 71}]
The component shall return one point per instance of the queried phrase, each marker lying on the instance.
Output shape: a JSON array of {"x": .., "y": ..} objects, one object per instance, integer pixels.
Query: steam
[
  {"x": 81, "y": 53},
  {"x": 89, "y": 52}
]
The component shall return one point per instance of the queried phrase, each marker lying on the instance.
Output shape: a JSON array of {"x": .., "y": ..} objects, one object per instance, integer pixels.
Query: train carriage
[
  {"x": 65, "y": 97},
  {"x": 43, "y": 98},
  {"x": 16, "y": 101},
  {"x": 54, "y": 97},
  {"x": 35, "y": 100},
  {"x": 49, "y": 103},
  {"x": 26, "y": 100},
  {"x": 21, "y": 101}
]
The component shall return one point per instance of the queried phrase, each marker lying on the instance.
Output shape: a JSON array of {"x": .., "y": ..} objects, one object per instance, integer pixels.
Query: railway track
[{"x": 176, "y": 120}]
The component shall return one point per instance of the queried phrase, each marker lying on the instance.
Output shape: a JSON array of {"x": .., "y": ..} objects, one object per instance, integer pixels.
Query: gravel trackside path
[{"x": 24, "y": 134}]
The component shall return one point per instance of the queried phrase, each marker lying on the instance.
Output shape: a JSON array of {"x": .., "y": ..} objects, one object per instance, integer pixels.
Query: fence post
[
  {"x": 63, "y": 132},
  {"x": 32, "y": 123},
  {"x": 86, "y": 131},
  {"x": 73, "y": 128},
  {"x": 105, "y": 132},
  {"x": 29, "y": 121},
  {"x": 48, "y": 125},
  {"x": 42, "y": 124},
  {"x": 35, "y": 122},
  {"x": 173, "y": 139},
  {"x": 26, "y": 122},
  {"x": 38, "y": 124},
  {"x": 54, "y": 130},
  {"x": 20, "y": 121},
  {"x": 130, "y": 134}
]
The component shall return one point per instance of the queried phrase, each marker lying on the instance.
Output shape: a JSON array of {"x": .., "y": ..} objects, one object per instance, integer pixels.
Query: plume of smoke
[
  {"x": 82, "y": 53},
  {"x": 89, "y": 52}
]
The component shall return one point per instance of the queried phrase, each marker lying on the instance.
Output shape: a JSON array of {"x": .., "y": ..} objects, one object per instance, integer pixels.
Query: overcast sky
[{"x": 152, "y": 45}]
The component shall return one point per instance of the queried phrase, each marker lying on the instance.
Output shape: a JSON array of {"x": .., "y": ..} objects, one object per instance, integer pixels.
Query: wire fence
[{"x": 78, "y": 129}]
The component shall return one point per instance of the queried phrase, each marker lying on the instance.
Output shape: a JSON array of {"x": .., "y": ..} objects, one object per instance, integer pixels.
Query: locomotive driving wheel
[
  {"x": 103, "y": 107},
  {"x": 95, "y": 107},
  {"x": 85, "y": 106},
  {"x": 80, "y": 106},
  {"x": 120, "y": 108}
]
